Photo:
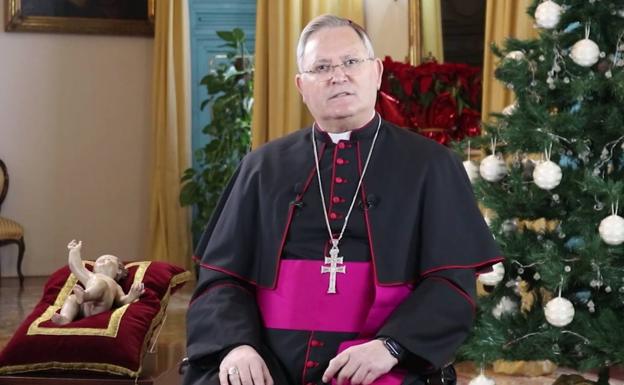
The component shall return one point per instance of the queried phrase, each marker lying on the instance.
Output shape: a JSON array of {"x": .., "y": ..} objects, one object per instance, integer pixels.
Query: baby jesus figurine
[{"x": 101, "y": 291}]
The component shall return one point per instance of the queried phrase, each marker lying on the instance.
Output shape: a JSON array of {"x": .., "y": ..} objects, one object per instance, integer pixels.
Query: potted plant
[{"x": 230, "y": 94}]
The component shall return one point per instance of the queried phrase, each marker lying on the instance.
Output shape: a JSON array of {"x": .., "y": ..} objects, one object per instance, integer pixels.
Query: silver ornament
[
  {"x": 510, "y": 109},
  {"x": 515, "y": 55},
  {"x": 547, "y": 175},
  {"x": 493, "y": 277},
  {"x": 585, "y": 53},
  {"x": 559, "y": 312},
  {"x": 472, "y": 170},
  {"x": 493, "y": 168},
  {"x": 505, "y": 306},
  {"x": 547, "y": 14},
  {"x": 611, "y": 230}
]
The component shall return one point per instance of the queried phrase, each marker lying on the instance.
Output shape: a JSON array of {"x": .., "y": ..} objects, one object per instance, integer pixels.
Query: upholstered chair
[{"x": 11, "y": 232}]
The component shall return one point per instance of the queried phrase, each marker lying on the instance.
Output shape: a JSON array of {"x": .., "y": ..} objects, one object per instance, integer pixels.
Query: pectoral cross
[{"x": 333, "y": 267}]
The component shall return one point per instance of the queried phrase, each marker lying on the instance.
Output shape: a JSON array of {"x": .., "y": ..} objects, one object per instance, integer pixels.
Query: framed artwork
[
  {"x": 112, "y": 17},
  {"x": 415, "y": 36}
]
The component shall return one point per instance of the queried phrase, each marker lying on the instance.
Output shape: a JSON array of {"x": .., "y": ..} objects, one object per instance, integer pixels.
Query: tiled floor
[{"x": 16, "y": 304}]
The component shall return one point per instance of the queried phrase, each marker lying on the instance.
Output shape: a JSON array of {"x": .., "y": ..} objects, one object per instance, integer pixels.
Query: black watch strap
[{"x": 394, "y": 348}]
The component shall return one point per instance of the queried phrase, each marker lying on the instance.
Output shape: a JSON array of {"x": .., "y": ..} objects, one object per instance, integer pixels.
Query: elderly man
[{"x": 345, "y": 252}]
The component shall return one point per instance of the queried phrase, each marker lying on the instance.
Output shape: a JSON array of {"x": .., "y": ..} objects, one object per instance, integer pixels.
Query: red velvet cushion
[{"x": 114, "y": 341}]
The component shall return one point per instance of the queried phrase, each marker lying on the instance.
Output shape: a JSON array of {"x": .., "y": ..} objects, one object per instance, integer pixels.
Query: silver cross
[{"x": 333, "y": 267}]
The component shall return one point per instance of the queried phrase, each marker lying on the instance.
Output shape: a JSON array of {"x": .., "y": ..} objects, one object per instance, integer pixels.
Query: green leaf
[
  {"x": 189, "y": 193},
  {"x": 238, "y": 34},
  {"x": 226, "y": 35}
]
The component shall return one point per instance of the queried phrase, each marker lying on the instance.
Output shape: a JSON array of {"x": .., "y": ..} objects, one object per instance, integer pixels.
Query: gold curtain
[
  {"x": 431, "y": 29},
  {"x": 504, "y": 19},
  {"x": 278, "y": 108},
  {"x": 169, "y": 237}
]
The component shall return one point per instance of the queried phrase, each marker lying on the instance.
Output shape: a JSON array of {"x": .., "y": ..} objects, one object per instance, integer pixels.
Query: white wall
[
  {"x": 386, "y": 22},
  {"x": 75, "y": 135}
]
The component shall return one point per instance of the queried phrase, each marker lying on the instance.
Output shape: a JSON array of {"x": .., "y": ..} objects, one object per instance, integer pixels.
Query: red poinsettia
[{"x": 441, "y": 101}]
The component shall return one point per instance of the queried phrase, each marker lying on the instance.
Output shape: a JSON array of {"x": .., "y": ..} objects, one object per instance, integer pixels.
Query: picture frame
[
  {"x": 415, "y": 35},
  {"x": 121, "y": 17}
]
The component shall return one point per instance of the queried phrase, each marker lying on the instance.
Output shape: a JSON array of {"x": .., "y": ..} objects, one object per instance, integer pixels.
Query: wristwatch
[{"x": 394, "y": 348}]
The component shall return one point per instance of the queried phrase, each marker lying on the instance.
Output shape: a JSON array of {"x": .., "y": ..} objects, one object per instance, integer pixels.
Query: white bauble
[
  {"x": 612, "y": 230},
  {"x": 559, "y": 312},
  {"x": 493, "y": 168},
  {"x": 481, "y": 379},
  {"x": 472, "y": 170},
  {"x": 515, "y": 55},
  {"x": 493, "y": 277},
  {"x": 509, "y": 226},
  {"x": 585, "y": 53},
  {"x": 510, "y": 109},
  {"x": 547, "y": 175},
  {"x": 547, "y": 14},
  {"x": 505, "y": 306}
]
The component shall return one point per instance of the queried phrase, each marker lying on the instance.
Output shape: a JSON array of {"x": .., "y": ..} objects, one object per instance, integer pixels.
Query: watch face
[{"x": 393, "y": 347}]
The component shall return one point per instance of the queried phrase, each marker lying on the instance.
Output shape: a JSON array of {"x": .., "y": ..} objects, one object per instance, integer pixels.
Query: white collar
[{"x": 338, "y": 136}]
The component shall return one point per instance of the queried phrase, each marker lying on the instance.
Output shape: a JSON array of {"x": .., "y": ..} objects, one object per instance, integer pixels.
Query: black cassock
[{"x": 413, "y": 245}]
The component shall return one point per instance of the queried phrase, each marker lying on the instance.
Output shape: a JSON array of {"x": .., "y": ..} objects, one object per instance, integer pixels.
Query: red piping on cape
[
  {"x": 291, "y": 211},
  {"x": 307, "y": 356},
  {"x": 475, "y": 266}
]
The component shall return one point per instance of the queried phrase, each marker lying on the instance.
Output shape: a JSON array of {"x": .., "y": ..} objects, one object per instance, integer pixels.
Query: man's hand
[
  {"x": 245, "y": 367},
  {"x": 361, "y": 364}
]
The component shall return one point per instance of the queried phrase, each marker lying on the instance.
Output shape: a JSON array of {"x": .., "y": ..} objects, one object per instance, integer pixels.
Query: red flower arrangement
[{"x": 439, "y": 101}]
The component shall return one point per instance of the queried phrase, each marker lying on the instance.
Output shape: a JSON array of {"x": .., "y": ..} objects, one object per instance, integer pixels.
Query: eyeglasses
[{"x": 349, "y": 66}]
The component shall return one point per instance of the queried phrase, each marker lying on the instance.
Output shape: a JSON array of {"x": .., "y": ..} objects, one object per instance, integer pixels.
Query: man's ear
[
  {"x": 298, "y": 84},
  {"x": 379, "y": 68}
]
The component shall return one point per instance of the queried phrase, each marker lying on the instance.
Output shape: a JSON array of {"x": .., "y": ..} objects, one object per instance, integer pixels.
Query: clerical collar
[
  {"x": 338, "y": 136},
  {"x": 367, "y": 131}
]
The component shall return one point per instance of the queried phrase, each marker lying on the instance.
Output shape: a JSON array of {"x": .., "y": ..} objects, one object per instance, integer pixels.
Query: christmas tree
[{"x": 552, "y": 185}]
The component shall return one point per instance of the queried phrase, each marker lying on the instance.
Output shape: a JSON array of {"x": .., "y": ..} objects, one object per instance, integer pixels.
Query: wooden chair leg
[{"x": 21, "y": 246}]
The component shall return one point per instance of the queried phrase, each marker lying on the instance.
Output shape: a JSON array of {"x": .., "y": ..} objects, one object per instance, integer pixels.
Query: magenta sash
[{"x": 300, "y": 300}]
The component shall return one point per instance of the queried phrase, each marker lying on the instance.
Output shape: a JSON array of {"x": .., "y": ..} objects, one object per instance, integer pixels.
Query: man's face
[{"x": 343, "y": 94}]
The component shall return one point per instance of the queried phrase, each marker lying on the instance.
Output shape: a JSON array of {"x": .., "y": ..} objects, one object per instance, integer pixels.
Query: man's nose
[{"x": 339, "y": 74}]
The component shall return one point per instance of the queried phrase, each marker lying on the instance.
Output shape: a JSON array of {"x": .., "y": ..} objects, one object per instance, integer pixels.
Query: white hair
[{"x": 330, "y": 21}]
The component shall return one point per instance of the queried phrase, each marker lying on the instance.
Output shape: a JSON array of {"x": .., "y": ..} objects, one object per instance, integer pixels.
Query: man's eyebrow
[
  {"x": 349, "y": 55},
  {"x": 317, "y": 61}
]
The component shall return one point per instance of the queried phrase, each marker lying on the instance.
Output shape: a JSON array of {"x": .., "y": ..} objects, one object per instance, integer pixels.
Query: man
[{"x": 344, "y": 252}]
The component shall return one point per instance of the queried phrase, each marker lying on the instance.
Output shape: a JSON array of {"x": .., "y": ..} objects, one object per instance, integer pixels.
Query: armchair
[{"x": 10, "y": 231}]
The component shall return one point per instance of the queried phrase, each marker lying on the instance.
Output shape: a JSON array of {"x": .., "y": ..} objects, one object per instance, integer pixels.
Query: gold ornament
[
  {"x": 540, "y": 225},
  {"x": 524, "y": 368},
  {"x": 527, "y": 295}
]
